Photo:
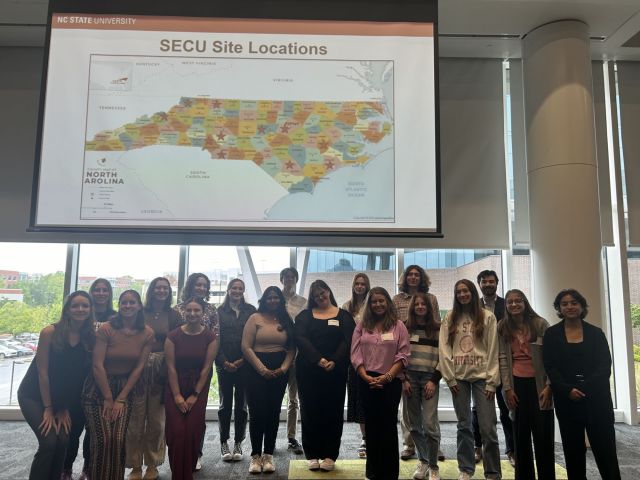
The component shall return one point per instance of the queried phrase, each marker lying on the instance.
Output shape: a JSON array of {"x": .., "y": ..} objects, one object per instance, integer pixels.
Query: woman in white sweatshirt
[{"x": 468, "y": 350}]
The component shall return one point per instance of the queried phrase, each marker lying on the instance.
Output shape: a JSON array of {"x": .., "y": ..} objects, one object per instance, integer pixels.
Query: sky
[{"x": 139, "y": 261}]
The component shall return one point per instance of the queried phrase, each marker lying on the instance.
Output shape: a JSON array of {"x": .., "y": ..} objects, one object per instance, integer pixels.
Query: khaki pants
[
  {"x": 145, "y": 442},
  {"x": 292, "y": 406}
]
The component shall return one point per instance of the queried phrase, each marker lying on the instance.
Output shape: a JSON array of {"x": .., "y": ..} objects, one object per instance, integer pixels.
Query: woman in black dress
[
  {"x": 49, "y": 395},
  {"x": 323, "y": 336}
]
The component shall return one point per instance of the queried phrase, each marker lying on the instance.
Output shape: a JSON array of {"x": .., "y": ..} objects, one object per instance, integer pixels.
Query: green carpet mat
[{"x": 354, "y": 470}]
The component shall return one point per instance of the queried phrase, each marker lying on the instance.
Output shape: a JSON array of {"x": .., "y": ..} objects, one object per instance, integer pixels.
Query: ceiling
[{"x": 468, "y": 28}]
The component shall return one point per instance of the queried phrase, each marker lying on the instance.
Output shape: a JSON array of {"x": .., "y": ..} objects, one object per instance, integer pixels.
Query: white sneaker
[
  {"x": 236, "y": 456},
  {"x": 314, "y": 464},
  {"x": 199, "y": 464},
  {"x": 327, "y": 465},
  {"x": 255, "y": 466},
  {"x": 225, "y": 453},
  {"x": 421, "y": 471},
  {"x": 464, "y": 476},
  {"x": 434, "y": 474},
  {"x": 268, "y": 465}
]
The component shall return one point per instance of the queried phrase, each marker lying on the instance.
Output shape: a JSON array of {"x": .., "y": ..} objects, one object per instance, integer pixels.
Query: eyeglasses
[{"x": 515, "y": 301}]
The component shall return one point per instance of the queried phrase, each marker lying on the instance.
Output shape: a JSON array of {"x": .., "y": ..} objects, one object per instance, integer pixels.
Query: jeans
[
  {"x": 505, "y": 420},
  {"x": 487, "y": 423},
  {"x": 232, "y": 387},
  {"x": 423, "y": 418}
]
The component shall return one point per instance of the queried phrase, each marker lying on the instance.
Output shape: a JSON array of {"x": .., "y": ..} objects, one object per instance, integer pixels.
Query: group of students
[{"x": 139, "y": 377}]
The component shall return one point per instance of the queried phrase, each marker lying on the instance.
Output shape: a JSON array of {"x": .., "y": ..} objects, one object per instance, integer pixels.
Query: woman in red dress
[{"x": 189, "y": 350}]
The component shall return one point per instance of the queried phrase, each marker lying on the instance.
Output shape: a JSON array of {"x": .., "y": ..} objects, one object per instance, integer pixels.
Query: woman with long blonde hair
[
  {"x": 468, "y": 351},
  {"x": 359, "y": 289}
]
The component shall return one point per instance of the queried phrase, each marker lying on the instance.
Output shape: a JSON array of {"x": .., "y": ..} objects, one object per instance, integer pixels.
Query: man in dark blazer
[{"x": 488, "y": 283}]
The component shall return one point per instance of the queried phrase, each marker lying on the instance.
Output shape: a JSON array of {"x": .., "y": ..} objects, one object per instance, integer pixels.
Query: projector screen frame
[{"x": 353, "y": 10}]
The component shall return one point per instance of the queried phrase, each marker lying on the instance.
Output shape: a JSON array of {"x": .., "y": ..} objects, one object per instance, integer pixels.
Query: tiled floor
[{"x": 17, "y": 445}]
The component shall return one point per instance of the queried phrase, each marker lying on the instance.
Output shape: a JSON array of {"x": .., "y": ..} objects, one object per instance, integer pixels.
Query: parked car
[
  {"x": 27, "y": 337},
  {"x": 6, "y": 352},
  {"x": 21, "y": 351},
  {"x": 33, "y": 346}
]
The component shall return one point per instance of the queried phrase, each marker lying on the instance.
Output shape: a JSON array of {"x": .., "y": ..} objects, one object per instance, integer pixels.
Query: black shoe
[{"x": 295, "y": 446}]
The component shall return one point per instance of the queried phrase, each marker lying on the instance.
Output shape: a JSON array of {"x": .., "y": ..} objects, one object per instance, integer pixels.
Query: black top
[
  {"x": 231, "y": 327},
  {"x": 329, "y": 339},
  {"x": 585, "y": 365},
  {"x": 68, "y": 369},
  {"x": 102, "y": 317}
]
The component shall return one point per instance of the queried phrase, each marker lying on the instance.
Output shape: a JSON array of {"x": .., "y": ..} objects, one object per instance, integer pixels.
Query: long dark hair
[
  {"x": 369, "y": 321},
  {"x": 507, "y": 326},
  {"x": 149, "y": 297},
  {"x": 423, "y": 286},
  {"x": 187, "y": 291},
  {"x": 227, "y": 301},
  {"x": 476, "y": 312},
  {"x": 313, "y": 288},
  {"x": 281, "y": 313},
  {"x": 109, "y": 287},
  {"x": 432, "y": 326},
  {"x": 60, "y": 338},
  {"x": 353, "y": 305},
  {"x": 116, "y": 320}
]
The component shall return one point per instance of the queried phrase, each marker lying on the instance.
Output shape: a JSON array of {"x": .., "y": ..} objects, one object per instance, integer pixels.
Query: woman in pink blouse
[{"x": 379, "y": 353}]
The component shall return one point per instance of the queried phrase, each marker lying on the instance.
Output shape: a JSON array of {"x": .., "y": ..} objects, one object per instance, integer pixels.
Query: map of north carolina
[{"x": 296, "y": 142}]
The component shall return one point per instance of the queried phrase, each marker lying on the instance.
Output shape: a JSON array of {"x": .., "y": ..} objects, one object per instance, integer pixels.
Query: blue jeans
[
  {"x": 487, "y": 422},
  {"x": 423, "y": 418}
]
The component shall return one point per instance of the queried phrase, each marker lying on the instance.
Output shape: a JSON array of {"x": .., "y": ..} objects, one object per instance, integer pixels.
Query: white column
[{"x": 566, "y": 245}]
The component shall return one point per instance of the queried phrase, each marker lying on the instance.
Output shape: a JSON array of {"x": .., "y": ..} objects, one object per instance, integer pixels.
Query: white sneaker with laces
[
  {"x": 255, "y": 466},
  {"x": 434, "y": 474},
  {"x": 464, "y": 476},
  {"x": 421, "y": 471},
  {"x": 268, "y": 465},
  {"x": 236, "y": 456},
  {"x": 327, "y": 465},
  {"x": 225, "y": 453},
  {"x": 314, "y": 464}
]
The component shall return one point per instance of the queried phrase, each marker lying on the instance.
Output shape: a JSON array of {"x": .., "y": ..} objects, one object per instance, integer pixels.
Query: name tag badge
[
  {"x": 334, "y": 323},
  {"x": 415, "y": 338},
  {"x": 387, "y": 337}
]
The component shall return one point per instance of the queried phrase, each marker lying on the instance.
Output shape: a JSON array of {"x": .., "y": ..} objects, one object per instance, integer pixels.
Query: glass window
[
  {"x": 220, "y": 264},
  {"x": 634, "y": 297},
  {"x": 128, "y": 267},
  {"x": 338, "y": 266},
  {"x": 31, "y": 297},
  {"x": 268, "y": 262}
]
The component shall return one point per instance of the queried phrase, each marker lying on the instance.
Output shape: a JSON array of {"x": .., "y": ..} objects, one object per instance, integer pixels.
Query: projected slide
[{"x": 199, "y": 123}]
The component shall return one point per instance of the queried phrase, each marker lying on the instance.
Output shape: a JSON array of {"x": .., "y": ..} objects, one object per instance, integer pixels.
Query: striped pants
[{"x": 107, "y": 437}]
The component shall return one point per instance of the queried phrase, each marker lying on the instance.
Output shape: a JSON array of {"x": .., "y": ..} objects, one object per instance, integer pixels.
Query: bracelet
[
  {"x": 121, "y": 401},
  {"x": 389, "y": 377}
]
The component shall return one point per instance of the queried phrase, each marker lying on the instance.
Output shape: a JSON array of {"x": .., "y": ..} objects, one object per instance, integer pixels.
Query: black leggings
[
  {"x": 77, "y": 426},
  {"x": 48, "y": 460},
  {"x": 265, "y": 401},
  {"x": 380, "y": 425}
]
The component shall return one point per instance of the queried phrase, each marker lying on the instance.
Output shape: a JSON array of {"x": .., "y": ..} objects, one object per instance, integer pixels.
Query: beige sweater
[{"x": 470, "y": 359}]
